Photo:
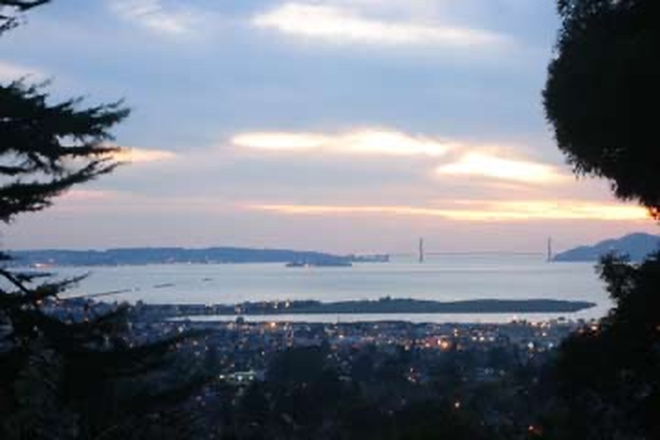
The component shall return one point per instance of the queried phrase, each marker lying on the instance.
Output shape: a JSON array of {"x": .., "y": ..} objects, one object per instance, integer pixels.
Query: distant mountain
[
  {"x": 141, "y": 256},
  {"x": 636, "y": 246}
]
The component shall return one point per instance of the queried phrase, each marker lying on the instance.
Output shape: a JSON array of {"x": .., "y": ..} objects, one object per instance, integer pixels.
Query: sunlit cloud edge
[
  {"x": 340, "y": 25},
  {"x": 132, "y": 155},
  {"x": 473, "y": 211},
  {"x": 358, "y": 141},
  {"x": 483, "y": 164}
]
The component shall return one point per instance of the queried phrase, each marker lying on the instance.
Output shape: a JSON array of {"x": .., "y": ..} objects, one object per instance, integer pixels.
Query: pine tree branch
[{"x": 9, "y": 21}]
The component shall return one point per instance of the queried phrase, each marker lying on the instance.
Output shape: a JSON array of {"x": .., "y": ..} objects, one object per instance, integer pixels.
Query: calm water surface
[{"x": 444, "y": 278}]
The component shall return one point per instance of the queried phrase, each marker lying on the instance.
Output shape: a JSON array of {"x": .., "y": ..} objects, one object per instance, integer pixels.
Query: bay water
[{"x": 439, "y": 278}]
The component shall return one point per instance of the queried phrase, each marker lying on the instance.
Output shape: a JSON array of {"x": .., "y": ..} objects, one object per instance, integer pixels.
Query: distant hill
[
  {"x": 637, "y": 246},
  {"x": 142, "y": 256}
]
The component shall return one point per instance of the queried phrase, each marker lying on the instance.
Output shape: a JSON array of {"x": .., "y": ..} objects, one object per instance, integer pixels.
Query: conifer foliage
[
  {"x": 602, "y": 91},
  {"x": 75, "y": 374},
  {"x": 600, "y": 98}
]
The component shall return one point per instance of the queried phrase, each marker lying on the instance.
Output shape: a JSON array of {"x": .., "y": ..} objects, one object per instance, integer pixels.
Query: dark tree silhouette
[
  {"x": 600, "y": 97},
  {"x": 79, "y": 376},
  {"x": 48, "y": 148},
  {"x": 602, "y": 93},
  {"x": 610, "y": 374}
]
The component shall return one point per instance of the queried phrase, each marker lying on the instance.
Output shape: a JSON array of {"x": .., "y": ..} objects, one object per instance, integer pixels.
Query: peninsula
[
  {"x": 176, "y": 255},
  {"x": 385, "y": 305}
]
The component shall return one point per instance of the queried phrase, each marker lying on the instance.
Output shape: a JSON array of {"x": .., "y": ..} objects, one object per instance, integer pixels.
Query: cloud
[
  {"x": 142, "y": 155},
  {"x": 156, "y": 16},
  {"x": 341, "y": 24},
  {"x": 475, "y": 211},
  {"x": 11, "y": 72},
  {"x": 368, "y": 141},
  {"x": 456, "y": 159},
  {"x": 134, "y": 200},
  {"x": 490, "y": 166},
  {"x": 281, "y": 141},
  {"x": 88, "y": 195}
]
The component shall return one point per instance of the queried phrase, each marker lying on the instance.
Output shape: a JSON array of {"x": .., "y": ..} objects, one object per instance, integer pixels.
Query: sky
[{"x": 337, "y": 125}]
